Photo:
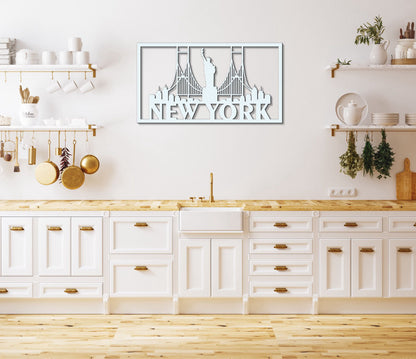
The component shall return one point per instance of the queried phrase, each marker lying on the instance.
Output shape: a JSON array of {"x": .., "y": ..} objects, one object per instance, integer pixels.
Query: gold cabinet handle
[
  {"x": 141, "y": 224},
  {"x": 71, "y": 290},
  {"x": 281, "y": 268},
  {"x": 86, "y": 228},
  {"x": 334, "y": 250},
  {"x": 280, "y": 224},
  {"x": 280, "y": 290},
  {"x": 54, "y": 228},
  {"x": 350, "y": 224},
  {"x": 280, "y": 246},
  {"x": 404, "y": 250},
  {"x": 3, "y": 291},
  {"x": 16, "y": 228},
  {"x": 141, "y": 268},
  {"x": 366, "y": 250}
]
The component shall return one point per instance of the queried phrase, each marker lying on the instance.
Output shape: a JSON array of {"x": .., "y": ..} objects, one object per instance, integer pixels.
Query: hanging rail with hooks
[
  {"x": 37, "y": 129},
  {"x": 400, "y": 128}
]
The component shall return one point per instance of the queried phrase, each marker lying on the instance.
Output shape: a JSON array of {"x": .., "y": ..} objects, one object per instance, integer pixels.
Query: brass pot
[
  {"x": 72, "y": 177},
  {"x": 89, "y": 164}
]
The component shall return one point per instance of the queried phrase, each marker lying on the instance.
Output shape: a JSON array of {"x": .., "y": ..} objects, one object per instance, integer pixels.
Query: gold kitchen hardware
[
  {"x": 31, "y": 158},
  {"x": 89, "y": 164},
  {"x": 350, "y": 224},
  {"x": 280, "y": 290},
  {"x": 280, "y": 225},
  {"x": 71, "y": 290},
  {"x": 86, "y": 228},
  {"x": 54, "y": 228},
  {"x": 201, "y": 198},
  {"x": 280, "y": 246},
  {"x": 141, "y": 268},
  {"x": 404, "y": 250},
  {"x": 16, "y": 228},
  {"x": 92, "y": 128},
  {"x": 281, "y": 268},
  {"x": 47, "y": 172},
  {"x": 58, "y": 150},
  {"x": 414, "y": 224},
  {"x": 141, "y": 224},
  {"x": 192, "y": 198},
  {"x": 335, "y": 250},
  {"x": 211, "y": 194},
  {"x": 3, "y": 291},
  {"x": 72, "y": 177},
  {"x": 366, "y": 250}
]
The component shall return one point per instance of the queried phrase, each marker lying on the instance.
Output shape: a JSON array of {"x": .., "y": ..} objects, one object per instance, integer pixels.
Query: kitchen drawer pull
[
  {"x": 280, "y": 246},
  {"x": 54, "y": 228},
  {"x": 281, "y": 268},
  {"x": 350, "y": 224},
  {"x": 335, "y": 250},
  {"x": 16, "y": 228},
  {"x": 366, "y": 250},
  {"x": 141, "y": 268},
  {"x": 280, "y": 224},
  {"x": 141, "y": 224},
  {"x": 3, "y": 291},
  {"x": 71, "y": 290},
  {"x": 404, "y": 250},
  {"x": 280, "y": 290},
  {"x": 86, "y": 228}
]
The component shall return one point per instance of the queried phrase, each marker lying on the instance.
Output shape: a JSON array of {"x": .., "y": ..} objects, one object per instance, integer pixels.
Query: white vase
[{"x": 378, "y": 54}]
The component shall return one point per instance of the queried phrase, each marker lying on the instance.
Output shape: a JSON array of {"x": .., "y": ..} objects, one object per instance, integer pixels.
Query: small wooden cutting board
[{"x": 406, "y": 183}]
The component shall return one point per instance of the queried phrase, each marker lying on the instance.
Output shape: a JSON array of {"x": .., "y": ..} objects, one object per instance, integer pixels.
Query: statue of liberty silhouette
[{"x": 209, "y": 92}]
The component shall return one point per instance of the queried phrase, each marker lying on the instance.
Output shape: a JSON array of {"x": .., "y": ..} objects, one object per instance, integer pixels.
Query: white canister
[
  {"x": 65, "y": 58},
  {"x": 400, "y": 52},
  {"x": 48, "y": 58},
  {"x": 82, "y": 57},
  {"x": 29, "y": 114},
  {"x": 411, "y": 53},
  {"x": 74, "y": 44}
]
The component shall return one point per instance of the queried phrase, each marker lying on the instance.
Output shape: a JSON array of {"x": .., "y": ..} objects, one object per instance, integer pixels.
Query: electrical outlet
[{"x": 342, "y": 192}]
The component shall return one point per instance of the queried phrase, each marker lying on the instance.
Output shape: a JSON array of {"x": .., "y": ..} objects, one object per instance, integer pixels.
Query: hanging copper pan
[
  {"x": 47, "y": 172},
  {"x": 72, "y": 177}
]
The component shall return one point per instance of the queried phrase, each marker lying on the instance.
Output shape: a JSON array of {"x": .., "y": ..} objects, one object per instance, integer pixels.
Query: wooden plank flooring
[{"x": 216, "y": 336}]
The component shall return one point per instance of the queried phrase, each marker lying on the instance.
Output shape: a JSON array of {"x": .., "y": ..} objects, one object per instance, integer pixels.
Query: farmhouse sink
[{"x": 211, "y": 219}]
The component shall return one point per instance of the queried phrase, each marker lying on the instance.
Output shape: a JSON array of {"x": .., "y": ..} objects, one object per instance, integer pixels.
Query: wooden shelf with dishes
[
  {"x": 370, "y": 128},
  {"x": 337, "y": 67}
]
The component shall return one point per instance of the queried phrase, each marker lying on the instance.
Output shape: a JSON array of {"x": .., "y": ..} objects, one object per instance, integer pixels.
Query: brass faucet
[{"x": 211, "y": 196}]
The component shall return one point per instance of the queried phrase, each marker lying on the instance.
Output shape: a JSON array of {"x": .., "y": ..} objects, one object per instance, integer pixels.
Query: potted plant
[{"x": 373, "y": 33}]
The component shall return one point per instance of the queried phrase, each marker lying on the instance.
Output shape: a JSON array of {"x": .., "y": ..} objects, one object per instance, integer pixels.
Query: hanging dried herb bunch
[
  {"x": 64, "y": 162},
  {"x": 351, "y": 161},
  {"x": 368, "y": 157},
  {"x": 384, "y": 157}
]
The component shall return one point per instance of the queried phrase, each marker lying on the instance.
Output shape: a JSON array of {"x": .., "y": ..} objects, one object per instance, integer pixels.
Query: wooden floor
[{"x": 219, "y": 336}]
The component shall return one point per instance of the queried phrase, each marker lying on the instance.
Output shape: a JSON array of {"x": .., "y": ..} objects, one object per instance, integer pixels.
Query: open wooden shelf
[
  {"x": 336, "y": 67},
  {"x": 370, "y": 128}
]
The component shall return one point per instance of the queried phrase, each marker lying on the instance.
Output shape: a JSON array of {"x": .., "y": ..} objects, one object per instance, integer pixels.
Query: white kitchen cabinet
[
  {"x": 402, "y": 269},
  {"x": 15, "y": 290},
  {"x": 16, "y": 245},
  {"x": 86, "y": 242},
  {"x": 54, "y": 241},
  {"x": 351, "y": 224},
  {"x": 70, "y": 290},
  {"x": 366, "y": 267},
  {"x": 334, "y": 267}
]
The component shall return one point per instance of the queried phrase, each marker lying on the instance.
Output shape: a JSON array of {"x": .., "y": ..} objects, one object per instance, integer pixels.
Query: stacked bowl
[
  {"x": 410, "y": 119},
  {"x": 384, "y": 119}
]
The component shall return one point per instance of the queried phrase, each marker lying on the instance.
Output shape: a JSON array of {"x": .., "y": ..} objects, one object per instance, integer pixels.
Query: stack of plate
[
  {"x": 410, "y": 119},
  {"x": 385, "y": 119}
]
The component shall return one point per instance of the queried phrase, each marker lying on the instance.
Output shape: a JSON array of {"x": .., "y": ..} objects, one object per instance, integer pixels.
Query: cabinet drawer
[
  {"x": 15, "y": 290},
  {"x": 351, "y": 224},
  {"x": 141, "y": 278},
  {"x": 276, "y": 224},
  {"x": 141, "y": 235},
  {"x": 284, "y": 246},
  {"x": 70, "y": 290},
  {"x": 280, "y": 289},
  {"x": 281, "y": 267},
  {"x": 402, "y": 224}
]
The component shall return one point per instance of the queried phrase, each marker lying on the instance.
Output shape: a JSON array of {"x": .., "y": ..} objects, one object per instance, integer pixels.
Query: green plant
[
  {"x": 367, "y": 32},
  {"x": 384, "y": 157},
  {"x": 343, "y": 62},
  {"x": 351, "y": 161},
  {"x": 368, "y": 157}
]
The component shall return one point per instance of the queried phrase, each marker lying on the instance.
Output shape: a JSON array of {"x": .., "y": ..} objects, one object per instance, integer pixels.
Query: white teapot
[{"x": 351, "y": 114}]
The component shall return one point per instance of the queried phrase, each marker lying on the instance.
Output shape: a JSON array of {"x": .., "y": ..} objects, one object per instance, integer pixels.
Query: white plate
[
  {"x": 381, "y": 114},
  {"x": 385, "y": 123},
  {"x": 352, "y": 96}
]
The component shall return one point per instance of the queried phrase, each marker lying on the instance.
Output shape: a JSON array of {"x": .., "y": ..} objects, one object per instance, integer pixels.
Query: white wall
[{"x": 297, "y": 160}]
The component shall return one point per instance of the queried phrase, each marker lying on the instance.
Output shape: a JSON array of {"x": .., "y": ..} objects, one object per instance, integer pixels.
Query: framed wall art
[{"x": 210, "y": 83}]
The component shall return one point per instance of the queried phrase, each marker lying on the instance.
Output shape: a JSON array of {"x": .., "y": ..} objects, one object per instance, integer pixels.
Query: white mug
[
  {"x": 65, "y": 58},
  {"x": 399, "y": 52},
  {"x": 54, "y": 86},
  {"x": 69, "y": 86},
  {"x": 411, "y": 53},
  {"x": 74, "y": 44},
  {"x": 82, "y": 57},
  {"x": 48, "y": 58},
  {"x": 86, "y": 86}
]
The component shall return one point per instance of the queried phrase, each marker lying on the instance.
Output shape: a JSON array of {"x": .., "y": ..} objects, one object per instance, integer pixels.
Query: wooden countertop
[{"x": 173, "y": 205}]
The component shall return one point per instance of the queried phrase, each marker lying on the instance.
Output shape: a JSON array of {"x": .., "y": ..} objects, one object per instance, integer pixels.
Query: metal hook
[
  {"x": 85, "y": 75},
  {"x": 69, "y": 75},
  {"x": 52, "y": 75},
  {"x": 5, "y": 76},
  {"x": 20, "y": 76}
]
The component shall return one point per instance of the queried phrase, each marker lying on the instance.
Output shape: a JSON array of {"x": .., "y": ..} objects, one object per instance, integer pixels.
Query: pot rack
[
  {"x": 51, "y": 129},
  {"x": 398, "y": 128}
]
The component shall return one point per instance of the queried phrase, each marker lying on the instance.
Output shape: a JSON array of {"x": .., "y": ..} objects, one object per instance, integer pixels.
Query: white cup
[
  {"x": 69, "y": 86},
  {"x": 82, "y": 57},
  {"x": 54, "y": 86},
  {"x": 411, "y": 53},
  {"x": 48, "y": 58},
  {"x": 400, "y": 52},
  {"x": 86, "y": 86},
  {"x": 65, "y": 58},
  {"x": 74, "y": 44}
]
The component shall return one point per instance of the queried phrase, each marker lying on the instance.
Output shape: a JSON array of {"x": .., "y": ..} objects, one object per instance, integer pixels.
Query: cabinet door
[
  {"x": 194, "y": 268},
  {"x": 86, "y": 233},
  {"x": 54, "y": 246},
  {"x": 334, "y": 267},
  {"x": 16, "y": 243},
  {"x": 402, "y": 271},
  {"x": 226, "y": 267},
  {"x": 366, "y": 267}
]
